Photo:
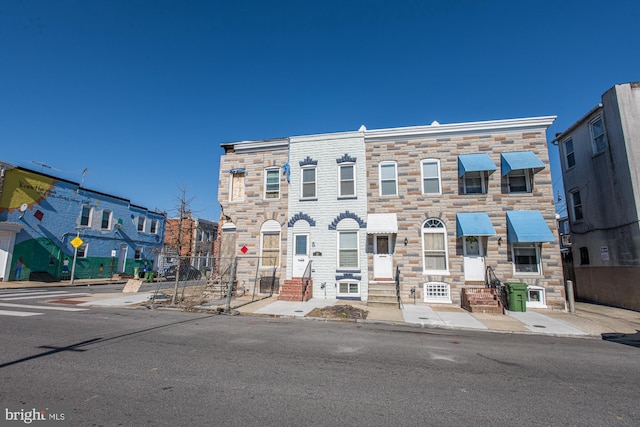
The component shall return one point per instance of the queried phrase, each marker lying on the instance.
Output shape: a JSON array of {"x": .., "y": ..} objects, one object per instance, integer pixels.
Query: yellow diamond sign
[{"x": 77, "y": 242}]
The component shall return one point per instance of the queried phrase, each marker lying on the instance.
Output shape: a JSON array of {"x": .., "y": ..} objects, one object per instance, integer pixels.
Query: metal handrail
[
  {"x": 306, "y": 278},
  {"x": 398, "y": 287},
  {"x": 492, "y": 281}
]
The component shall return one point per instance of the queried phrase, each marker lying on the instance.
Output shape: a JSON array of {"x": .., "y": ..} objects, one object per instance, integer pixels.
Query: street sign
[{"x": 77, "y": 242}]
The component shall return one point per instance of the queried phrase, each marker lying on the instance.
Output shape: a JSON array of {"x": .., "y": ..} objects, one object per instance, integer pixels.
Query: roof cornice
[{"x": 491, "y": 126}]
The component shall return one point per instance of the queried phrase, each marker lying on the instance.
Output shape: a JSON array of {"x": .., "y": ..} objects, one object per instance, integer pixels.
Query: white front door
[
  {"x": 473, "y": 258},
  {"x": 300, "y": 254},
  {"x": 382, "y": 257}
]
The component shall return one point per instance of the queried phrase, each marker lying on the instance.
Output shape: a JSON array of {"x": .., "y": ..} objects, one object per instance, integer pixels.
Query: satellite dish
[{"x": 24, "y": 207}]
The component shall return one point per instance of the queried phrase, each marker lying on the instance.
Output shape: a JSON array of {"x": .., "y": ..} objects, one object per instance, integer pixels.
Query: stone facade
[
  {"x": 408, "y": 146},
  {"x": 323, "y": 216},
  {"x": 245, "y": 214}
]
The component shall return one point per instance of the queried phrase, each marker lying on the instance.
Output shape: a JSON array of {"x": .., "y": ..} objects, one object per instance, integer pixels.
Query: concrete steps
[{"x": 383, "y": 294}]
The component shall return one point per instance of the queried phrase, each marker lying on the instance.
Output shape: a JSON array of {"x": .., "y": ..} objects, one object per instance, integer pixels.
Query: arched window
[
  {"x": 270, "y": 244},
  {"x": 434, "y": 247}
]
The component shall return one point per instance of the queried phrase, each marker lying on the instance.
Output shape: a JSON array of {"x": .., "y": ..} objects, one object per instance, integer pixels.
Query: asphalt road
[{"x": 133, "y": 367}]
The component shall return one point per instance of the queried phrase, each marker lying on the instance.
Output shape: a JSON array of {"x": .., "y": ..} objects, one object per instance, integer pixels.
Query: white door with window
[
  {"x": 473, "y": 258},
  {"x": 300, "y": 254},
  {"x": 383, "y": 257}
]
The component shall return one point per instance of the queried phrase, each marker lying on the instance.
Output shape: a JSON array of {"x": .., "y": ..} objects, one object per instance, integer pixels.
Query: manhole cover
[
  {"x": 539, "y": 326},
  {"x": 299, "y": 311}
]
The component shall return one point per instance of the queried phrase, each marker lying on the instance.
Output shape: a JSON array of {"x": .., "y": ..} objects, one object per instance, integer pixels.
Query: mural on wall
[
  {"x": 22, "y": 190},
  {"x": 54, "y": 211}
]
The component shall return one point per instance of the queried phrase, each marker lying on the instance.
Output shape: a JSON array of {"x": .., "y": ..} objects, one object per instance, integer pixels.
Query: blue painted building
[{"x": 44, "y": 220}]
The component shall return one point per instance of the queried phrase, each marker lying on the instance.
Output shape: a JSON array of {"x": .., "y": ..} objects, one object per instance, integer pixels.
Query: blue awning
[
  {"x": 527, "y": 227},
  {"x": 474, "y": 224},
  {"x": 521, "y": 160},
  {"x": 475, "y": 163}
]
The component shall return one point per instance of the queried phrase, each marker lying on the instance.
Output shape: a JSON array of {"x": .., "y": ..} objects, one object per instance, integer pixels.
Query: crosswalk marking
[
  {"x": 41, "y": 307},
  {"x": 14, "y": 295},
  {"x": 20, "y": 294},
  {"x": 42, "y": 296},
  {"x": 18, "y": 313}
]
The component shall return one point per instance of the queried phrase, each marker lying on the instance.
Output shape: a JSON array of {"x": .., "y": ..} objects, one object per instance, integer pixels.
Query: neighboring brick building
[
  {"x": 193, "y": 238},
  {"x": 430, "y": 206}
]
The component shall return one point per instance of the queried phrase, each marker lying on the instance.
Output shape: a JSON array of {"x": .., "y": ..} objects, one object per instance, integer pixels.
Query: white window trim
[
  {"x": 109, "y": 220},
  {"x": 395, "y": 170},
  {"x": 527, "y": 177},
  {"x": 437, "y": 162},
  {"x": 440, "y": 230},
  {"x": 444, "y": 299},
  {"x": 157, "y": 223},
  {"x": 144, "y": 224},
  {"x": 90, "y": 218},
  {"x": 348, "y": 294},
  {"x": 566, "y": 153},
  {"x": 542, "y": 303},
  {"x": 594, "y": 147},
  {"x": 266, "y": 174},
  {"x": 340, "y": 166},
  {"x": 338, "y": 266},
  {"x": 483, "y": 183},
  {"x": 315, "y": 183},
  {"x": 83, "y": 255},
  {"x": 538, "y": 259}
]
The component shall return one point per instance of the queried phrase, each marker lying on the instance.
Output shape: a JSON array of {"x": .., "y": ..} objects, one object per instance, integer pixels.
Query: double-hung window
[
  {"x": 347, "y": 180},
  {"x": 85, "y": 216},
  {"x": 526, "y": 258},
  {"x": 430, "y": 176},
  {"x": 154, "y": 226},
  {"x": 308, "y": 182},
  {"x": 388, "y": 179},
  {"x": 141, "y": 223},
  {"x": 272, "y": 184},
  {"x": 569, "y": 155},
  {"x": 598, "y": 139},
  {"x": 519, "y": 181},
  {"x": 474, "y": 182},
  {"x": 236, "y": 192},
  {"x": 106, "y": 220},
  {"x": 434, "y": 247},
  {"x": 576, "y": 205},
  {"x": 348, "y": 250}
]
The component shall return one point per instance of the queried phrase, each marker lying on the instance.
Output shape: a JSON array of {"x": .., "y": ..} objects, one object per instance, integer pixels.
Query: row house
[{"x": 420, "y": 212}]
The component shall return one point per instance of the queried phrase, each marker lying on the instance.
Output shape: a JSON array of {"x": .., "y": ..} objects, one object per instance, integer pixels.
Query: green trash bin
[
  {"x": 148, "y": 276},
  {"x": 136, "y": 272},
  {"x": 517, "y": 296}
]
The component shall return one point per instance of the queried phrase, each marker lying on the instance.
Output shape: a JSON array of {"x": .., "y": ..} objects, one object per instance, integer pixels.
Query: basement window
[{"x": 437, "y": 292}]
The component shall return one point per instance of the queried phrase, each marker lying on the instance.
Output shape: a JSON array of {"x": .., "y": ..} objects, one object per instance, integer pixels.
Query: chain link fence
[{"x": 228, "y": 284}]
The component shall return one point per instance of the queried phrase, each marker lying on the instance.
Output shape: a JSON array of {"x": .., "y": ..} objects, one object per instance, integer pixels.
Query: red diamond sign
[{"x": 244, "y": 249}]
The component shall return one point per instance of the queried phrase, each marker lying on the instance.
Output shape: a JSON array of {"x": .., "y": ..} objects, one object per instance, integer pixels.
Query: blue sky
[{"x": 142, "y": 93}]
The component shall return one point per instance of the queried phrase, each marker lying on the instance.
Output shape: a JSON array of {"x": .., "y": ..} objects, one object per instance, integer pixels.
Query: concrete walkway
[{"x": 589, "y": 320}]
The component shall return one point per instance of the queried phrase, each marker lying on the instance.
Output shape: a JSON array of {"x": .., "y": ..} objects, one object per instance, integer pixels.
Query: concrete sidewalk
[{"x": 589, "y": 320}]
